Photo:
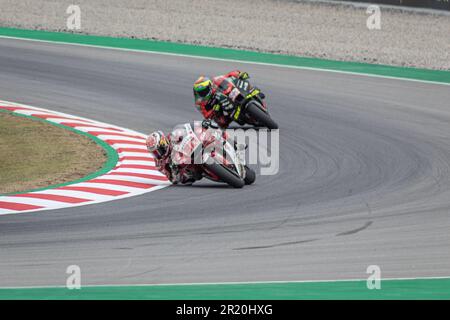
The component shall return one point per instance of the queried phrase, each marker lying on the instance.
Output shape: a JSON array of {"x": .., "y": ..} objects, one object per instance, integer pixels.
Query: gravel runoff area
[{"x": 330, "y": 31}]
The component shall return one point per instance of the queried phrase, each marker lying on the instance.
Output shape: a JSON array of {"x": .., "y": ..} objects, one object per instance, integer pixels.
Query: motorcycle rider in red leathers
[
  {"x": 161, "y": 147},
  {"x": 210, "y": 101}
]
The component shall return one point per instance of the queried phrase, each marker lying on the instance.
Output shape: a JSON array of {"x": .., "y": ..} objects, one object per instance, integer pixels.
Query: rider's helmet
[
  {"x": 158, "y": 144},
  {"x": 203, "y": 89}
]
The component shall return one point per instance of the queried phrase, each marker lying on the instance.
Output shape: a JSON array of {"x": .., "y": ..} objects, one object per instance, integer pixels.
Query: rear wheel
[
  {"x": 226, "y": 175},
  {"x": 263, "y": 118}
]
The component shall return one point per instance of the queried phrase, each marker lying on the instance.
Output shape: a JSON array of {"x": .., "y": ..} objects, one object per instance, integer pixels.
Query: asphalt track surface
[{"x": 364, "y": 177}]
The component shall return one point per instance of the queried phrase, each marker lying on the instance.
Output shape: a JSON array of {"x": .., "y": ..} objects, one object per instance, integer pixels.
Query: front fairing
[{"x": 184, "y": 143}]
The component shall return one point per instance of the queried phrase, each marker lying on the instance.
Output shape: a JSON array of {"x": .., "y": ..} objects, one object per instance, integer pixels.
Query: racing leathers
[
  {"x": 173, "y": 170},
  {"x": 183, "y": 174}
]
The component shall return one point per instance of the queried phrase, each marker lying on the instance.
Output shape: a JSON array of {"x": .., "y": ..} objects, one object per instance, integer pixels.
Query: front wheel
[
  {"x": 250, "y": 176},
  {"x": 260, "y": 116},
  {"x": 225, "y": 175}
]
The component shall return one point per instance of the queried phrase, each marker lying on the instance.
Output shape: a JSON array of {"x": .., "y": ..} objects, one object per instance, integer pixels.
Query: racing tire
[
  {"x": 250, "y": 176},
  {"x": 225, "y": 175},
  {"x": 262, "y": 117}
]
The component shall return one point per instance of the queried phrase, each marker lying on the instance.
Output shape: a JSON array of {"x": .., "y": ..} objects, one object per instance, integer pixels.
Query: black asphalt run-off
[{"x": 364, "y": 177}]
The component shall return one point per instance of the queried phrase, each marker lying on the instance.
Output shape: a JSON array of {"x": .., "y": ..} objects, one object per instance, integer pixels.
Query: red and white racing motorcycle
[{"x": 211, "y": 154}]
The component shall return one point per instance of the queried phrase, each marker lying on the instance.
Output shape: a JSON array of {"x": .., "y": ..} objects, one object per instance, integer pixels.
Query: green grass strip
[
  {"x": 111, "y": 154},
  {"x": 429, "y": 289},
  {"x": 231, "y": 54}
]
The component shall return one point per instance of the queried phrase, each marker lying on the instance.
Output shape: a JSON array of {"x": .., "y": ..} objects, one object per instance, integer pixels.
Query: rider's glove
[
  {"x": 174, "y": 173},
  {"x": 225, "y": 103},
  {"x": 227, "y": 106},
  {"x": 173, "y": 168},
  {"x": 209, "y": 123},
  {"x": 243, "y": 75}
]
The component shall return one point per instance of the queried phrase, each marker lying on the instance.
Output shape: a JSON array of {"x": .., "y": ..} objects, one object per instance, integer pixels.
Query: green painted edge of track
[
  {"x": 428, "y": 289},
  {"x": 437, "y": 76}
]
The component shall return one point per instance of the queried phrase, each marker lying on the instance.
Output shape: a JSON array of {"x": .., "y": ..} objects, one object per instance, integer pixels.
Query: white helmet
[{"x": 158, "y": 144}]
